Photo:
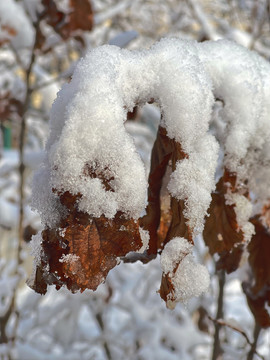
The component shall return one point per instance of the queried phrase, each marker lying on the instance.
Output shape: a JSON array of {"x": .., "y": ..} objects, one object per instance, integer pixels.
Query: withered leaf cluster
[
  {"x": 10, "y": 107},
  {"x": 68, "y": 24},
  {"x": 81, "y": 251},
  {"x": 9, "y": 31},
  {"x": 224, "y": 237}
]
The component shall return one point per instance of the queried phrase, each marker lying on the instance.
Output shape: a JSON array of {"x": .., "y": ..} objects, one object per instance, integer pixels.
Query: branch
[
  {"x": 217, "y": 350},
  {"x": 222, "y": 322},
  {"x": 112, "y": 12},
  {"x": 101, "y": 325},
  {"x": 256, "y": 333},
  {"x": 6, "y": 317},
  {"x": 258, "y": 25},
  {"x": 207, "y": 27}
]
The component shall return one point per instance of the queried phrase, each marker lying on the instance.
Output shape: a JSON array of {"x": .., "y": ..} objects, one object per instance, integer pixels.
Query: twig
[
  {"x": 256, "y": 333},
  {"x": 217, "y": 350},
  {"x": 47, "y": 83},
  {"x": 222, "y": 322},
  {"x": 5, "y": 318},
  {"x": 22, "y": 139},
  {"x": 259, "y": 21},
  {"x": 3, "y": 322},
  {"x": 112, "y": 11},
  {"x": 207, "y": 28},
  {"x": 101, "y": 325}
]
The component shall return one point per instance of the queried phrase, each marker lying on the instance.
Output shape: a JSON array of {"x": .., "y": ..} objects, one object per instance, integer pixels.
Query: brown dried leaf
[
  {"x": 257, "y": 304},
  {"x": 9, "y": 106},
  {"x": 28, "y": 232},
  {"x": 53, "y": 16},
  {"x": 164, "y": 222},
  {"x": 258, "y": 291},
  {"x": 204, "y": 323},
  {"x": 164, "y": 150},
  {"x": 81, "y": 252},
  {"x": 221, "y": 232},
  {"x": 79, "y": 17},
  {"x": 167, "y": 288},
  {"x": 259, "y": 252},
  {"x": 230, "y": 260},
  {"x": 10, "y": 31}
]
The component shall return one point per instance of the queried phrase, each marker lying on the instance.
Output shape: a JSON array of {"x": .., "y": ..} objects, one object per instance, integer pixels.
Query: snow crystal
[{"x": 190, "y": 279}]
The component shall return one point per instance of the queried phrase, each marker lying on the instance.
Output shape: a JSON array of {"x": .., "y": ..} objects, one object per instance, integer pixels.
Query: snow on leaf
[
  {"x": 100, "y": 164},
  {"x": 161, "y": 230},
  {"x": 222, "y": 233},
  {"x": 182, "y": 277},
  {"x": 83, "y": 249},
  {"x": 257, "y": 304}
]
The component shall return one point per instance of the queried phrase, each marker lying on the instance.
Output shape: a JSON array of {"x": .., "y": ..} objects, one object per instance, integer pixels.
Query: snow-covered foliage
[
  {"x": 124, "y": 318},
  {"x": 190, "y": 279},
  {"x": 184, "y": 77}
]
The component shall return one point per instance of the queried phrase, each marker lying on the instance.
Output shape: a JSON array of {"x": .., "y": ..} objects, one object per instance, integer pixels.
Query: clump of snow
[
  {"x": 36, "y": 252},
  {"x": 69, "y": 258},
  {"x": 241, "y": 80},
  {"x": 243, "y": 211},
  {"x": 35, "y": 247},
  {"x": 188, "y": 277}
]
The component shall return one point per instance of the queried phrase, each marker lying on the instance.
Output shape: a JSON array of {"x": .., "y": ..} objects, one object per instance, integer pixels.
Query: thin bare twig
[
  {"x": 22, "y": 140},
  {"x": 256, "y": 334},
  {"x": 4, "y": 319},
  {"x": 101, "y": 325},
  {"x": 207, "y": 28},
  {"x": 222, "y": 322},
  {"x": 217, "y": 350}
]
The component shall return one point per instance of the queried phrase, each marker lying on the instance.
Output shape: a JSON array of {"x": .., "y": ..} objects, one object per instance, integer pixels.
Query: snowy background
[{"x": 125, "y": 318}]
